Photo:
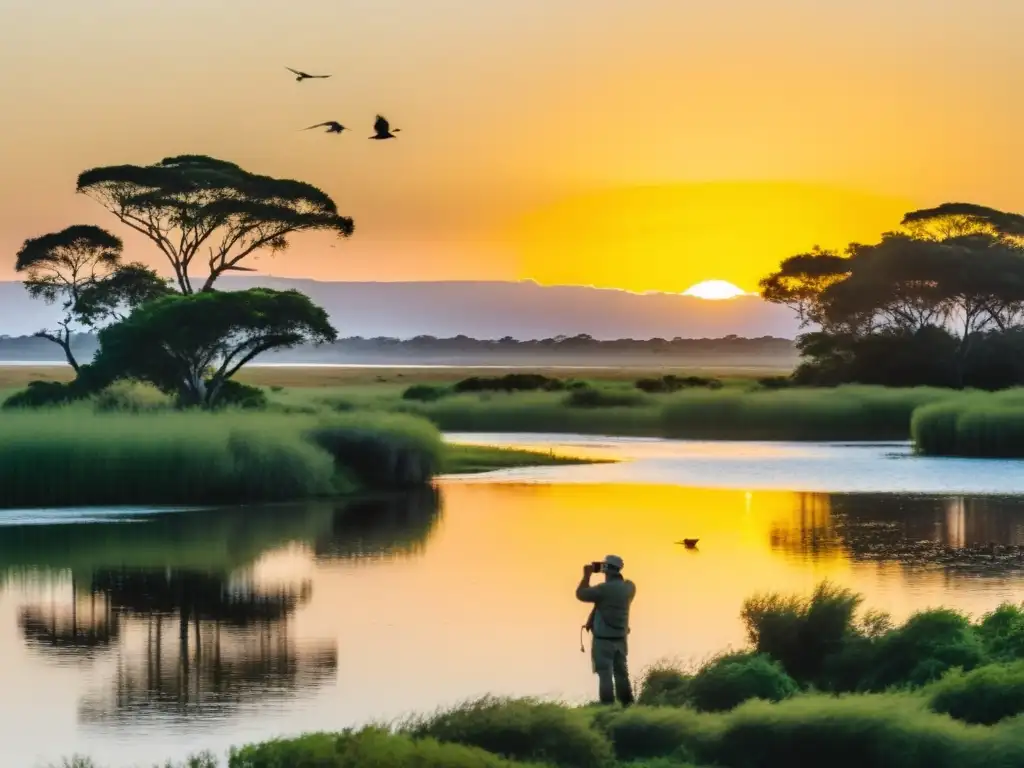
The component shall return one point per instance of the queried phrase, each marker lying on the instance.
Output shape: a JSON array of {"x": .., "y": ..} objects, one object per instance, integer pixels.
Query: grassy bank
[
  {"x": 470, "y": 459},
  {"x": 975, "y": 426},
  {"x": 822, "y": 683}
]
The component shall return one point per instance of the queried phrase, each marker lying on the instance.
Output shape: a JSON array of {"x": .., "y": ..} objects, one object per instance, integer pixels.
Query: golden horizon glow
[
  {"x": 649, "y": 145},
  {"x": 715, "y": 290}
]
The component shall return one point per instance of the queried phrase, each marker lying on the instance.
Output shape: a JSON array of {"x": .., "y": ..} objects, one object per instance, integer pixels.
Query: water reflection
[{"x": 179, "y": 604}]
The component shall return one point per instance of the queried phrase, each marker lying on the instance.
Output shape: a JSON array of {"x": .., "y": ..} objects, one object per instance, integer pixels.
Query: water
[{"x": 139, "y": 635}]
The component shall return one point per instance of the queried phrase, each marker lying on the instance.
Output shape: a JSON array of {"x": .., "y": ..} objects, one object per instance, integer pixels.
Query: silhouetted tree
[
  {"x": 197, "y": 207},
  {"x": 80, "y": 268},
  {"x": 192, "y": 345}
]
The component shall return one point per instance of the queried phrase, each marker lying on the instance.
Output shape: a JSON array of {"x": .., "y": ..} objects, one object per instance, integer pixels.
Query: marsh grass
[
  {"x": 973, "y": 426},
  {"x": 75, "y": 457}
]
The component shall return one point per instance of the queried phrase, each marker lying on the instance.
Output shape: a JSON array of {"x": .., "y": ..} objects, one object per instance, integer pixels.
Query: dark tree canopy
[
  {"x": 954, "y": 276},
  {"x": 80, "y": 267},
  {"x": 192, "y": 345},
  {"x": 208, "y": 214}
]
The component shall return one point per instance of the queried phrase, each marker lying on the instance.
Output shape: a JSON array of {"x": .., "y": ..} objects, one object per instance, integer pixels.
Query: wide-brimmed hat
[{"x": 613, "y": 561}]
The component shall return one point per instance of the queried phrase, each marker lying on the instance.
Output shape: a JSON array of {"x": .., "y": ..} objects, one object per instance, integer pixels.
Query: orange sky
[{"x": 527, "y": 124}]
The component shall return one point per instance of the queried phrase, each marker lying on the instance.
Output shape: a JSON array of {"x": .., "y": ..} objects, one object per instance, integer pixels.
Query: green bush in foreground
[
  {"x": 985, "y": 695},
  {"x": 521, "y": 729},
  {"x": 734, "y": 678},
  {"x": 368, "y": 748}
]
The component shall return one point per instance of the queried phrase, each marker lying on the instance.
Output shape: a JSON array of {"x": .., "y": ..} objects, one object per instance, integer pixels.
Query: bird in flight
[
  {"x": 330, "y": 125},
  {"x": 382, "y": 129},
  {"x": 304, "y": 75}
]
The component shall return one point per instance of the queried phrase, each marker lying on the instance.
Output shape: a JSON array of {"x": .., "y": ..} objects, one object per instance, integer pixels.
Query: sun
[{"x": 714, "y": 289}]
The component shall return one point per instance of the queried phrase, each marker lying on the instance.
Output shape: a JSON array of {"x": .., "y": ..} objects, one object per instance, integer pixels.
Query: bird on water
[
  {"x": 689, "y": 543},
  {"x": 382, "y": 129},
  {"x": 330, "y": 125},
  {"x": 305, "y": 75}
]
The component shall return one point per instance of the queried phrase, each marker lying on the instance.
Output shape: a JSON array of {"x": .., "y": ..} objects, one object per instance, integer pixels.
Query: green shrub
[
  {"x": 775, "y": 382},
  {"x": 1002, "y": 632},
  {"x": 984, "y": 695},
  {"x": 368, "y": 748},
  {"x": 801, "y": 633},
  {"x": 729, "y": 680},
  {"x": 521, "y": 729},
  {"x": 640, "y": 732},
  {"x": 927, "y": 646},
  {"x": 664, "y": 686},
  {"x": 131, "y": 397},
  {"x": 234, "y": 394},
  {"x": 511, "y": 382},
  {"x": 424, "y": 393},
  {"x": 44, "y": 394},
  {"x": 671, "y": 383},
  {"x": 382, "y": 452},
  {"x": 881, "y": 731},
  {"x": 591, "y": 397},
  {"x": 933, "y": 428}
]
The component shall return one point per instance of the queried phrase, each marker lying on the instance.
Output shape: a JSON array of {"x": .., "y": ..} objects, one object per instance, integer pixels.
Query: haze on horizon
[{"x": 647, "y": 145}]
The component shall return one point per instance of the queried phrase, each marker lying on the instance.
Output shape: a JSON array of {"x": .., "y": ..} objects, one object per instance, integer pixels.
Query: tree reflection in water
[{"x": 175, "y": 600}]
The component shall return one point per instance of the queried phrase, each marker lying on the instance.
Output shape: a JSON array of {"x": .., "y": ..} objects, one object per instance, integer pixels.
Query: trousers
[{"x": 610, "y": 665}]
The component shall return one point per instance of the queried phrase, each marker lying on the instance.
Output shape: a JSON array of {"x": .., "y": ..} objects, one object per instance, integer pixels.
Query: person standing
[{"x": 609, "y": 624}]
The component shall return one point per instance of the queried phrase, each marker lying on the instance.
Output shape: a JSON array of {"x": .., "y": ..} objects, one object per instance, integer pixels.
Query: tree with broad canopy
[
  {"x": 190, "y": 346},
  {"x": 80, "y": 267},
  {"x": 194, "y": 207}
]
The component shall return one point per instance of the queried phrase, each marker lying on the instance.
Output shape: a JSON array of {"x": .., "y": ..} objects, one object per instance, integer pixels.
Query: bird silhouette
[
  {"x": 689, "y": 543},
  {"x": 330, "y": 125},
  {"x": 305, "y": 75},
  {"x": 383, "y": 130}
]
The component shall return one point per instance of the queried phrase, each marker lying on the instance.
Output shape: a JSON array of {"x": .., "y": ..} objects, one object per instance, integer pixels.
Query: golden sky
[{"x": 645, "y": 144}]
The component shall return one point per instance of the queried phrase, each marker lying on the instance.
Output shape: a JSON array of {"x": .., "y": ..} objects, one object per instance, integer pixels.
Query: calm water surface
[{"x": 136, "y": 635}]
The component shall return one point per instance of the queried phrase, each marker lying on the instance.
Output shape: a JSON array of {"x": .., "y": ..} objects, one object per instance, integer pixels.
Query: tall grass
[
  {"x": 974, "y": 426},
  {"x": 76, "y": 457}
]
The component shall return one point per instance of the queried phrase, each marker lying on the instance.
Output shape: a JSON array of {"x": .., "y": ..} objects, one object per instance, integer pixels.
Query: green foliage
[
  {"x": 664, "y": 686},
  {"x": 464, "y": 459},
  {"x": 368, "y": 748},
  {"x": 642, "y": 732},
  {"x": 382, "y": 451},
  {"x": 234, "y": 394},
  {"x": 801, "y": 633},
  {"x": 45, "y": 394},
  {"x": 845, "y": 413},
  {"x": 729, "y": 680},
  {"x": 927, "y": 646},
  {"x": 1002, "y": 632},
  {"x": 510, "y": 382},
  {"x": 592, "y": 397},
  {"x": 672, "y": 383},
  {"x": 191, "y": 345},
  {"x": 425, "y": 393},
  {"x": 984, "y": 695},
  {"x": 82, "y": 458},
  {"x": 521, "y": 729},
  {"x": 978, "y": 426},
  {"x": 131, "y": 397}
]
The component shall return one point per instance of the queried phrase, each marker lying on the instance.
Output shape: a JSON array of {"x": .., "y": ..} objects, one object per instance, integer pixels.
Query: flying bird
[
  {"x": 304, "y": 75},
  {"x": 383, "y": 130},
  {"x": 689, "y": 543},
  {"x": 330, "y": 125}
]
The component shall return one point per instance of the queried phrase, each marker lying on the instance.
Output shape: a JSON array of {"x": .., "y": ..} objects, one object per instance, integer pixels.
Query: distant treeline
[{"x": 27, "y": 348}]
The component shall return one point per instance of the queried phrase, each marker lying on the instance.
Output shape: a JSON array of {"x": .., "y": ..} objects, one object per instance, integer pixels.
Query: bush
[
  {"x": 131, "y": 397},
  {"x": 591, "y": 397},
  {"x": 521, "y": 729},
  {"x": 511, "y": 382},
  {"x": 775, "y": 382},
  {"x": 984, "y": 695},
  {"x": 801, "y": 633},
  {"x": 642, "y": 732},
  {"x": 43, "y": 394},
  {"x": 383, "y": 452},
  {"x": 1002, "y": 633},
  {"x": 664, "y": 686},
  {"x": 234, "y": 394},
  {"x": 732, "y": 679},
  {"x": 927, "y": 646},
  {"x": 672, "y": 383},
  {"x": 369, "y": 747},
  {"x": 424, "y": 393}
]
